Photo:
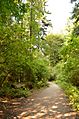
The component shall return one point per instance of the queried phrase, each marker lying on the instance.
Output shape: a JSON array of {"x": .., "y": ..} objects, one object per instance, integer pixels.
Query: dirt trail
[{"x": 48, "y": 103}]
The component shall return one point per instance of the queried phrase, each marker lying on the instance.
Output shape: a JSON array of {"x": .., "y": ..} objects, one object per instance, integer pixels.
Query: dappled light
[
  {"x": 39, "y": 59},
  {"x": 45, "y": 104}
]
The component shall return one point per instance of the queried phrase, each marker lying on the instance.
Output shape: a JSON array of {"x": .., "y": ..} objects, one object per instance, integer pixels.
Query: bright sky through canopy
[{"x": 60, "y": 12}]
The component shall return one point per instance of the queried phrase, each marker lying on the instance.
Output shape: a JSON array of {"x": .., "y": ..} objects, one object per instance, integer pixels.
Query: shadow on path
[{"x": 49, "y": 103}]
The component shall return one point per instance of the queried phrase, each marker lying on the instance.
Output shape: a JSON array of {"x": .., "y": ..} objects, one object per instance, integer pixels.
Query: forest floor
[{"x": 47, "y": 103}]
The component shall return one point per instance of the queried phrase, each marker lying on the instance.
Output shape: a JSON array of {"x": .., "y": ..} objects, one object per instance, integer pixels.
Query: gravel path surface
[{"x": 48, "y": 103}]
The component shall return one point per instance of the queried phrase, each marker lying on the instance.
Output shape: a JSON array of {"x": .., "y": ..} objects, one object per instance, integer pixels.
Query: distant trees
[{"x": 55, "y": 43}]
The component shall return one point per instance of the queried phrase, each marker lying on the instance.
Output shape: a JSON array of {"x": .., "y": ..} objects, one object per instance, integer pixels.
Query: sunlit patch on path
[{"x": 49, "y": 103}]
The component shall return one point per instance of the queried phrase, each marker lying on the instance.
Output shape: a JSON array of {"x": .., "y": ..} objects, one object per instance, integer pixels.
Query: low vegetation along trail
[{"x": 48, "y": 103}]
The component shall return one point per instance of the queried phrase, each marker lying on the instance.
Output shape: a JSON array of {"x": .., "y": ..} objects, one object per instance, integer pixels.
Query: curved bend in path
[{"x": 49, "y": 103}]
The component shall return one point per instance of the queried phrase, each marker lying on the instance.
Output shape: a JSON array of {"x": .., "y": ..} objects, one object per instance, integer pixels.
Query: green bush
[
  {"x": 9, "y": 91},
  {"x": 41, "y": 71},
  {"x": 72, "y": 92}
]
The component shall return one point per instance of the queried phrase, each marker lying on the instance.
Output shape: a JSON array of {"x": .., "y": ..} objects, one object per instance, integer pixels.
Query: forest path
[{"x": 48, "y": 103}]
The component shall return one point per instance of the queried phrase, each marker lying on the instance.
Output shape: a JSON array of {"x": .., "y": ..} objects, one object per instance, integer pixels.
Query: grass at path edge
[{"x": 72, "y": 92}]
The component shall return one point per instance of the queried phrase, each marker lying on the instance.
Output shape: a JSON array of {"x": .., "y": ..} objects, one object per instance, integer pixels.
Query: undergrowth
[
  {"x": 8, "y": 91},
  {"x": 72, "y": 92}
]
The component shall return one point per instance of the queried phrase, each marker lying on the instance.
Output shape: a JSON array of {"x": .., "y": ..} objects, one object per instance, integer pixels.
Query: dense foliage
[
  {"x": 69, "y": 53},
  {"x": 22, "y": 62},
  {"x": 29, "y": 58},
  {"x": 54, "y": 43},
  {"x": 67, "y": 70}
]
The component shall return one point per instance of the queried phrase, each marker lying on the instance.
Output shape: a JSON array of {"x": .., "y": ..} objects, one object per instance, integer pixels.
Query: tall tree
[
  {"x": 75, "y": 17},
  {"x": 20, "y": 39}
]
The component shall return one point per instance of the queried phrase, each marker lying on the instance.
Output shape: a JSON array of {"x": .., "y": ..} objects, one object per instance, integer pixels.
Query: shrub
[
  {"x": 41, "y": 71},
  {"x": 9, "y": 91},
  {"x": 72, "y": 92}
]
